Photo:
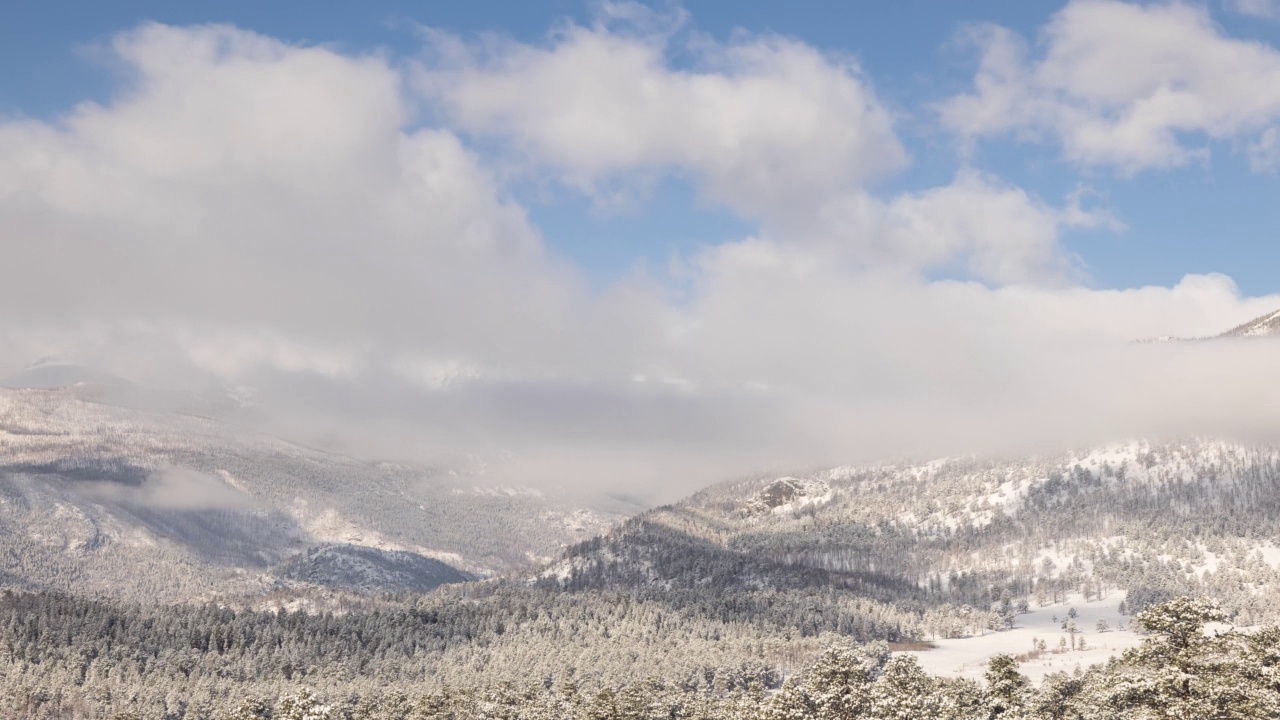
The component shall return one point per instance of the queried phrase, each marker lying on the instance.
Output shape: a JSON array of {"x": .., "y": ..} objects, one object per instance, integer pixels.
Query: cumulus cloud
[
  {"x": 764, "y": 124},
  {"x": 246, "y": 213},
  {"x": 767, "y": 126},
  {"x": 1122, "y": 85},
  {"x": 1006, "y": 235},
  {"x": 240, "y": 181}
]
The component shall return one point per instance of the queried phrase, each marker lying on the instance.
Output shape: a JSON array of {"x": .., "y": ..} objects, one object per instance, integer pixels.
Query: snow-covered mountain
[
  {"x": 100, "y": 498},
  {"x": 1151, "y": 520},
  {"x": 1264, "y": 326}
]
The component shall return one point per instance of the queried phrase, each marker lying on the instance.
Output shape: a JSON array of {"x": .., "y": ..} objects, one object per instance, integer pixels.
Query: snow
[
  {"x": 1270, "y": 554},
  {"x": 968, "y": 657},
  {"x": 1115, "y": 455}
]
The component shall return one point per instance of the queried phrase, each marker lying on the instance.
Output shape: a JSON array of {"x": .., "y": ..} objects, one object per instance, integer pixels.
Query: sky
[{"x": 652, "y": 245}]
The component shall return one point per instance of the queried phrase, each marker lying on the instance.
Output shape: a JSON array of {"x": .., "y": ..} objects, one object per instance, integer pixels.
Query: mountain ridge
[
  {"x": 1263, "y": 326},
  {"x": 204, "y": 506}
]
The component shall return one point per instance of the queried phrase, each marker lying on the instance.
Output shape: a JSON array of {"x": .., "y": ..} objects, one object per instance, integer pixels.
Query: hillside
[
  {"x": 1264, "y": 326},
  {"x": 96, "y": 498},
  {"x": 963, "y": 547}
]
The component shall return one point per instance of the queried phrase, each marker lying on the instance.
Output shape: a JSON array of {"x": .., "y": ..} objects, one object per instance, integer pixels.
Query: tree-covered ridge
[
  {"x": 1179, "y": 671},
  {"x": 1155, "y": 520}
]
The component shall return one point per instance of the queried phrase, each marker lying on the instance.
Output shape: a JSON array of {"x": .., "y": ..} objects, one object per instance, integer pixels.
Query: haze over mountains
[
  {"x": 729, "y": 590},
  {"x": 104, "y": 494},
  {"x": 100, "y": 475},
  {"x": 155, "y": 502}
]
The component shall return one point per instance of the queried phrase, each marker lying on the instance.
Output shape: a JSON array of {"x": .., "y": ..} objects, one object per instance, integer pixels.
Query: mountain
[
  {"x": 922, "y": 541},
  {"x": 1260, "y": 327},
  {"x": 137, "y": 503},
  {"x": 1263, "y": 326}
]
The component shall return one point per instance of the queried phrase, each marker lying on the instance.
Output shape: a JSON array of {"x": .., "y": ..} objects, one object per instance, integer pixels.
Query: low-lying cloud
[
  {"x": 280, "y": 223},
  {"x": 172, "y": 489}
]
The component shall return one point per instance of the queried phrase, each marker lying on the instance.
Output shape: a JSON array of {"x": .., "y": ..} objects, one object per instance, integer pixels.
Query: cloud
[
  {"x": 1127, "y": 86},
  {"x": 246, "y": 213},
  {"x": 241, "y": 181},
  {"x": 766, "y": 125},
  {"x": 1264, "y": 153},
  {"x": 185, "y": 489},
  {"x": 878, "y": 364},
  {"x": 1262, "y": 9},
  {"x": 174, "y": 489},
  {"x": 1007, "y": 236}
]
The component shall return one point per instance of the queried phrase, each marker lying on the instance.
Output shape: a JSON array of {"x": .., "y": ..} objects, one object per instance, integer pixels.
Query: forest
[{"x": 69, "y": 658}]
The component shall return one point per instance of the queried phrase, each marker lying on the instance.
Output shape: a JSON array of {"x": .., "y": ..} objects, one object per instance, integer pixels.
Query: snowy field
[{"x": 967, "y": 657}]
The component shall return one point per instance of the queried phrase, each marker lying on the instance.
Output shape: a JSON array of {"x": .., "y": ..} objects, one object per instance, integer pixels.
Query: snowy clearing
[{"x": 967, "y": 657}]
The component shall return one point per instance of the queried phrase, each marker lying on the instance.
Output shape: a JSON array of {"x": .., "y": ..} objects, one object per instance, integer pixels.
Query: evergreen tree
[{"x": 1007, "y": 689}]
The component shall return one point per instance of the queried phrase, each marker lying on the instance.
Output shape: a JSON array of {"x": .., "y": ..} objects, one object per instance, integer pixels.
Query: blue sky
[{"x": 1214, "y": 216}]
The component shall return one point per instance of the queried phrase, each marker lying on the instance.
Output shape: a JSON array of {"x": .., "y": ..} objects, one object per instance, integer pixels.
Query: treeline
[
  {"x": 1179, "y": 671},
  {"x": 64, "y": 656}
]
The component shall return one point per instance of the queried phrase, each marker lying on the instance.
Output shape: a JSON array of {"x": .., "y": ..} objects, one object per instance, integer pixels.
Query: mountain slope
[
  {"x": 366, "y": 568},
  {"x": 1263, "y": 326},
  {"x": 98, "y": 498},
  {"x": 1153, "y": 520}
]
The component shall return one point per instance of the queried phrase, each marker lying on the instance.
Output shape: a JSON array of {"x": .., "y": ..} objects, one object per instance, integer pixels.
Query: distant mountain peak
[
  {"x": 1267, "y": 325},
  {"x": 1263, "y": 326}
]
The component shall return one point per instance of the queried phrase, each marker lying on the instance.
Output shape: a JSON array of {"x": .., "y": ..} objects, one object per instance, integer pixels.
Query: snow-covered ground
[{"x": 967, "y": 657}]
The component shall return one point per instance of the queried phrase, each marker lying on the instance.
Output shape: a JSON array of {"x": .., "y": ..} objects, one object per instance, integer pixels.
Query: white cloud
[
  {"x": 876, "y": 364},
  {"x": 241, "y": 181},
  {"x": 1007, "y": 236},
  {"x": 767, "y": 125},
  {"x": 976, "y": 226},
  {"x": 272, "y": 216},
  {"x": 1123, "y": 85}
]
